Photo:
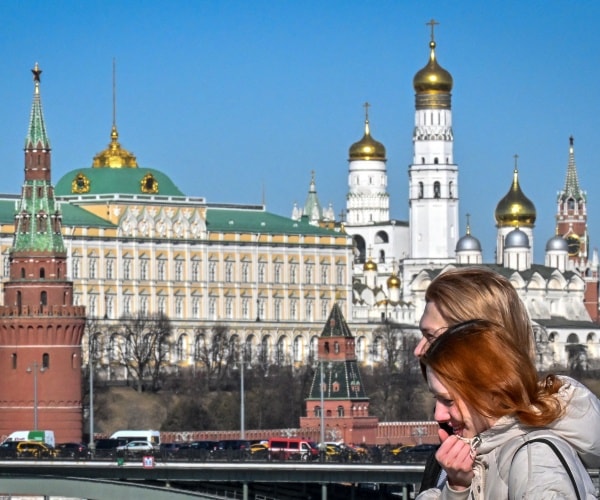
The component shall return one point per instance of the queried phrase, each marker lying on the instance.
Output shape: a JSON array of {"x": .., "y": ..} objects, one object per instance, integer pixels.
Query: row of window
[
  {"x": 230, "y": 275},
  {"x": 45, "y": 364},
  {"x": 437, "y": 191},
  {"x": 277, "y": 309}
]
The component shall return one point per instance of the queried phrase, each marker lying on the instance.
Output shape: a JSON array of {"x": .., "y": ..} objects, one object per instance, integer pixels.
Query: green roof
[
  {"x": 249, "y": 220},
  {"x": 336, "y": 325},
  {"x": 71, "y": 215},
  {"x": 104, "y": 180}
]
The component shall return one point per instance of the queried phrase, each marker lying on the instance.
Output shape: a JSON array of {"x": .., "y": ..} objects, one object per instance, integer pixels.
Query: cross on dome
[{"x": 433, "y": 23}]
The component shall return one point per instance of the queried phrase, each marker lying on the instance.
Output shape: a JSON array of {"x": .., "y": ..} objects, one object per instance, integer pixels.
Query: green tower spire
[{"x": 37, "y": 218}]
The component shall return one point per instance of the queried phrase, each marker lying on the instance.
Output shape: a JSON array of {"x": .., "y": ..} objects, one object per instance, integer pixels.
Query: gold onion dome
[
  {"x": 515, "y": 209},
  {"x": 367, "y": 148},
  {"x": 393, "y": 281},
  {"x": 114, "y": 156},
  {"x": 432, "y": 78},
  {"x": 370, "y": 265}
]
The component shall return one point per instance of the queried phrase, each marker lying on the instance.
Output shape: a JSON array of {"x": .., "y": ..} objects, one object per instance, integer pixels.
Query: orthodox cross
[{"x": 433, "y": 24}]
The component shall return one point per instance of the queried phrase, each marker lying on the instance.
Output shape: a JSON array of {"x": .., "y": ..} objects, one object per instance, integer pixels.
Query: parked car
[
  {"x": 197, "y": 450},
  {"x": 170, "y": 450},
  {"x": 72, "y": 450},
  {"x": 395, "y": 453},
  {"x": 107, "y": 448},
  {"x": 8, "y": 449},
  {"x": 136, "y": 448},
  {"x": 35, "y": 449},
  {"x": 259, "y": 451},
  {"x": 419, "y": 453},
  {"x": 232, "y": 449}
]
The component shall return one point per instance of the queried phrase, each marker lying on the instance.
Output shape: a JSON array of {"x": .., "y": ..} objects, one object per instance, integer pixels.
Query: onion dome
[
  {"x": 367, "y": 148},
  {"x": 393, "y": 281},
  {"x": 468, "y": 243},
  {"x": 515, "y": 209},
  {"x": 557, "y": 244},
  {"x": 432, "y": 78},
  {"x": 516, "y": 239},
  {"x": 370, "y": 265}
]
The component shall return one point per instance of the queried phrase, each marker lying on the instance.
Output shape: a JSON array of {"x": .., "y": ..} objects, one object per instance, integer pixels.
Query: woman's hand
[{"x": 455, "y": 457}]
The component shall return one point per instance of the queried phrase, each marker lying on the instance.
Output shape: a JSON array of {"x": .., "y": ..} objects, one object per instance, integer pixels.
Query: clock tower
[
  {"x": 571, "y": 223},
  {"x": 571, "y": 216}
]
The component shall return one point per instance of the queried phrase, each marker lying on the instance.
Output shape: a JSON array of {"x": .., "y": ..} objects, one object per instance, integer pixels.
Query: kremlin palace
[{"x": 135, "y": 243}]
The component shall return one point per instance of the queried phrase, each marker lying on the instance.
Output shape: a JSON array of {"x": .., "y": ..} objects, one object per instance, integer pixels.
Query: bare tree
[
  {"x": 143, "y": 347},
  {"x": 396, "y": 376},
  {"x": 215, "y": 352}
]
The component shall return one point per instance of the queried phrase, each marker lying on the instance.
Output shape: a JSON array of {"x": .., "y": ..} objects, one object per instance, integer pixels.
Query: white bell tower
[{"x": 433, "y": 176}]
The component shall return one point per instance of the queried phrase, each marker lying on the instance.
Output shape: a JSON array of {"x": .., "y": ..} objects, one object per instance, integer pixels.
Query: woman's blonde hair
[
  {"x": 494, "y": 377},
  {"x": 462, "y": 294}
]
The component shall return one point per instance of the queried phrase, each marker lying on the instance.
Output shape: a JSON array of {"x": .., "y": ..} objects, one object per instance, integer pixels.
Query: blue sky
[{"x": 235, "y": 98}]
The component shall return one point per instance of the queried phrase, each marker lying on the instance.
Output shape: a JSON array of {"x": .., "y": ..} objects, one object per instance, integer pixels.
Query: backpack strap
[{"x": 557, "y": 453}]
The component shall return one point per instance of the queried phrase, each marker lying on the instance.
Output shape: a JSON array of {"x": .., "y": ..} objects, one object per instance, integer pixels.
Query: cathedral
[{"x": 394, "y": 261}]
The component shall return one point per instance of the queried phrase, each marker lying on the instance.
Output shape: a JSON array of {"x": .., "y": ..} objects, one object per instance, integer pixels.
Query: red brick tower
[
  {"x": 571, "y": 224},
  {"x": 337, "y": 389},
  {"x": 40, "y": 328}
]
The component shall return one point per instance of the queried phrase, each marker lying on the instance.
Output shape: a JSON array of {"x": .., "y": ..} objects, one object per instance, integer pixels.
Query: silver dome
[
  {"x": 516, "y": 239},
  {"x": 468, "y": 243},
  {"x": 557, "y": 243}
]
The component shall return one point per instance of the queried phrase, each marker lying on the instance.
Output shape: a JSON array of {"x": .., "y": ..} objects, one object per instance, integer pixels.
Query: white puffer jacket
[
  {"x": 532, "y": 472},
  {"x": 580, "y": 425}
]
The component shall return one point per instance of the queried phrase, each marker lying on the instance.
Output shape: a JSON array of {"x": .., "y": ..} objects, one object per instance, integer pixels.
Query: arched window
[
  {"x": 181, "y": 352},
  {"x": 43, "y": 298},
  {"x": 420, "y": 190},
  {"x": 45, "y": 361},
  {"x": 42, "y": 273},
  {"x": 436, "y": 189},
  {"x": 340, "y": 411}
]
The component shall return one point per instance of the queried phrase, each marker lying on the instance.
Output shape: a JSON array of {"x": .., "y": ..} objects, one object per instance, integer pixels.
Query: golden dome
[
  {"x": 370, "y": 265},
  {"x": 393, "y": 282},
  {"x": 367, "y": 148},
  {"x": 114, "y": 156},
  {"x": 432, "y": 78},
  {"x": 515, "y": 209}
]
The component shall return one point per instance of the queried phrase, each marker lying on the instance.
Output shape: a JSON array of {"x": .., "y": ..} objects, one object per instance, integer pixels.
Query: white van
[
  {"x": 153, "y": 437},
  {"x": 46, "y": 437}
]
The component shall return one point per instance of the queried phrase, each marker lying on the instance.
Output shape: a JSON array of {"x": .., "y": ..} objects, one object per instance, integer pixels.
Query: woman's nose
[
  {"x": 421, "y": 347},
  {"x": 440, "y": 413}
]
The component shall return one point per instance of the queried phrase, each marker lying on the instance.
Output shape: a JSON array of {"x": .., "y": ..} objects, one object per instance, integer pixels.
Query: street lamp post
[
  {"x": 322, "y": 445},
  {"x": 242, "y": 410},
  {"x": 91, "y": 370},
  {"x": 34, "y": 369}
]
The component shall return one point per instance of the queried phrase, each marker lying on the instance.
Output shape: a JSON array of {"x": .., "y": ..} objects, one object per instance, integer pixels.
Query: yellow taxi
[{"x": 35, "y": 449}]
